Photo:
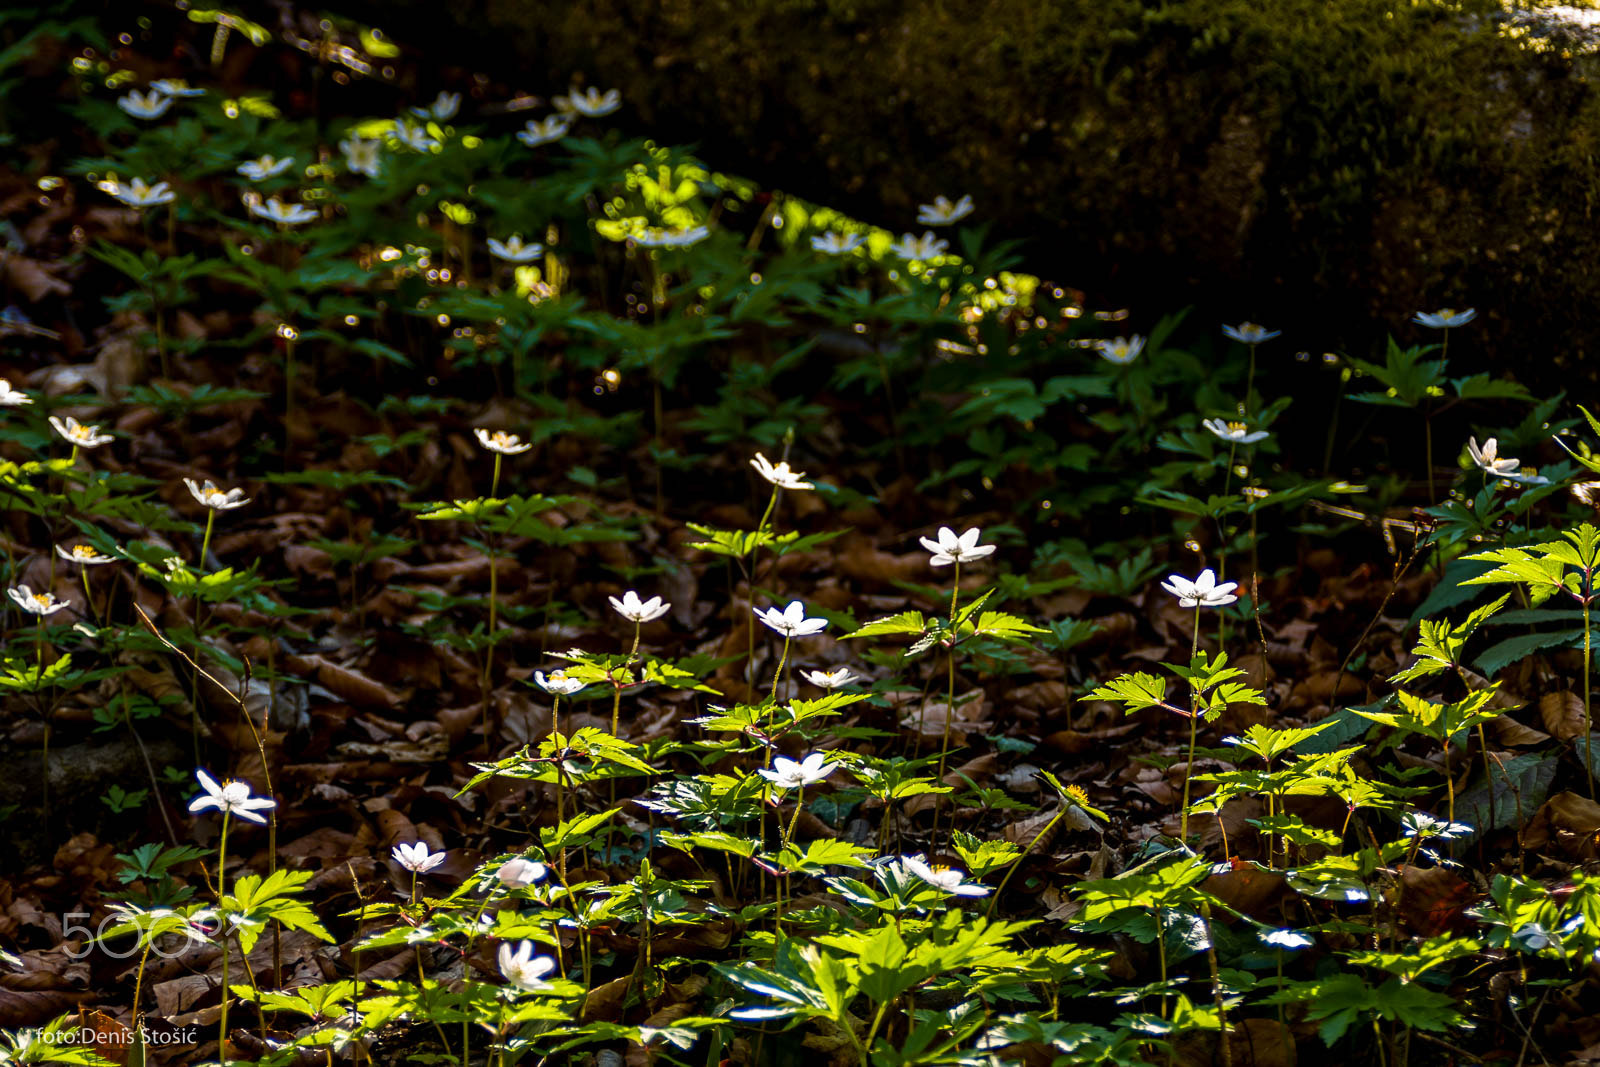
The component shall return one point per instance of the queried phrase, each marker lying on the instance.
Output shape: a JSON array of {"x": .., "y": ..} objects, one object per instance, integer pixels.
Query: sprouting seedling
[
  {"x": 502, "y": 444},
  {"x": 1250, "y": 335},
  {"x": 230, "y": 798},
  {"x": 1212, "y": 685},
  {"x": 1441, "y": 722},
  {"x": 638, "y": 612},
  {"x": 791, "y": 622},
  {"x": 1567, "y": 567},
  {"x": 1203, "y": 592},
  {"x": 1267, "y": 745}
]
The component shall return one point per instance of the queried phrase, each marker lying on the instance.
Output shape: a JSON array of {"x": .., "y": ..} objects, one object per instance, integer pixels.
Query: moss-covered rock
[{"x": 1314, "y": 163}]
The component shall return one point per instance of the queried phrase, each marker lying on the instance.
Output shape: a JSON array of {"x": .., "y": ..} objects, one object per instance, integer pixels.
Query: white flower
[
  {"x": 137, "y": 193},
  {"x": 83, "y": 555},
  {"x": 830, "y": 679},
  {"x": 1288, "y": 939},
  {"x": 522, "y": 968},
  {"x": 1203, "y": 592},
  {"x": 361, "y": 155},
  {"x": 414, "y": 137},
  {"x": 780, "y": 475},
  {"x": 507, "y": 444},
  {"x": 514, "y": 251},
  {"x": 791, "y": 621},
  {"x": 518, "y": 872},
  {"x": 175, "y": 87},
  {"x": 942, "y": 212},
  {"x": 630, "y": 607},
  {"x": 151, "y": 105},
  {"x": 1584, "y": 492},
  {"x": 909, "y": 246},
  {"x": 1120, "y": 350},
  {"x": 35, "y": 603},
  {"x": 443, "y": 108},
  {"x": 952, "y": 549},
  {"x": 836, "y": 245},
  {"x": 12, "y": 398},
  {"x": 1444, "y": 318},
  {"x": 1421, "y": 824},
  {"x": 416, "y": 858},
  {"x": 655, "y": 238},
  {"x": 557, "y": 683},
  {"x": 1488, "y": 458},
  {"x": 80, "y": 435},
  {"x": 258, "y": 170},
  {"x": 275, "y": 210},
  {"x": 538, "y": 132},
  {"x": 949, "y": 879},
  {"x": 1248, "y": 333},
  {"x": 1526, "y": 477},
  {"x": 590, "y": 102},
  {"x": 1236, "y": 432},
  {"x": 212, "y": 497},
  {"x": 230, "y": 798},
  {"x": 787, "y": 774}
]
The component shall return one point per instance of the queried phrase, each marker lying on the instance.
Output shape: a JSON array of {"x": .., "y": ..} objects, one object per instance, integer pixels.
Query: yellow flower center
[
  {"x": 42, "y": 599},
  {"x": 1236, "y": 427},
  {"x": 82, "y": 551},
  {"x": 1078, "y": 794}
]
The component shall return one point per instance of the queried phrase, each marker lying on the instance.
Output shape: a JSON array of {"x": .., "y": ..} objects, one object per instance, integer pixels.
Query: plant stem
[
  {"x": 1017, "y": 863},
  {"x": 222, "y": 884},
  {"x": 1249, "y": 382},
  {"x": 772, "y": 699},
  {"x": 1194, "y": 728},
  {"x": 1588, "y": 725}
]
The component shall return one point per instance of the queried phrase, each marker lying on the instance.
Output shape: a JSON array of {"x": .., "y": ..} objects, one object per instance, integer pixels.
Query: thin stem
[
  {"x": 1450, "y": 779},
  {"x": 1588, "y": 725},
  {"x": 799, "y": 802},
  {"x": 1216, "y": 978},
  {"x": 288, "y": 398},
  {"x": 1194, "y": 727},
  {"x": 1017, "y": 863},
  {"x": 222, "y": 884},
  {"x": 194, "y": 677},
  {"x": 1249, "y": 382}
]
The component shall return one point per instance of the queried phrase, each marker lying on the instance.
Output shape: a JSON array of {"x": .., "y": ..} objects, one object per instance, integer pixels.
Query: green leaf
[
  {"x": 255, "y": 900},
  {"x": 907, "y": 622},
  {"x": 1005, "y": 627},
  {"x": 1497, "y": 657},
  {"x": 1519, "y": 784},
  {"x": 822, "y": 853},
  {"x": 1134, "y": 691},
  {"x": 884, "y": 974}
]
